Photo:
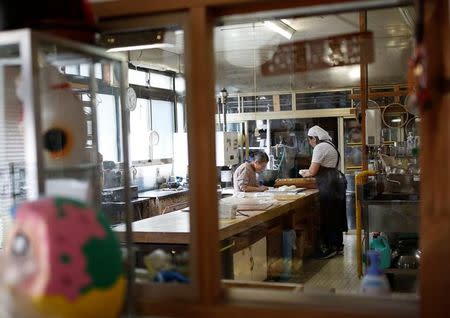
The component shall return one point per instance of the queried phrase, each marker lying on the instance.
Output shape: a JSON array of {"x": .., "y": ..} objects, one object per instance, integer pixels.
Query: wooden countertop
[
  {"x": 173, "y": 227},
  {"x": 151, "y": 194}
]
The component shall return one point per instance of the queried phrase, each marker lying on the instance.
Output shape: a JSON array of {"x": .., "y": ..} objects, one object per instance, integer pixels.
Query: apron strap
[{"x": 335, "y": 148}]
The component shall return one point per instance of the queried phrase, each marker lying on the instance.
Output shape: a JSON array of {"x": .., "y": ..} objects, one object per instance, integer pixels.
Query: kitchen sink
[{"x": 391, "y": 212}]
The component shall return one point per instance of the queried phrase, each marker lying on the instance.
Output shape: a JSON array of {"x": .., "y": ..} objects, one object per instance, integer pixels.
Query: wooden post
[
  {"x": 364, "y": 93},
  {"x": 435, "y": 167},
  {"x": 202, "y": 162}
]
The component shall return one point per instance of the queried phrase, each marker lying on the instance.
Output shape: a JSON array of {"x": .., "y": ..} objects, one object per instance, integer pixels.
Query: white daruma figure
[{"x": 64, "y": 129}]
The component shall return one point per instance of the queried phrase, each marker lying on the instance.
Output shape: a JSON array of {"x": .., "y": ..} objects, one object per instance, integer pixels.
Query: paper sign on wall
[{"x": 303, "y": 56}]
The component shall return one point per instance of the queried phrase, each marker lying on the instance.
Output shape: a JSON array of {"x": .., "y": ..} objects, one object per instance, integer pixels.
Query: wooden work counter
[
  {"x": 173, "y": 228},
  {"x": 255, "y": 235}
]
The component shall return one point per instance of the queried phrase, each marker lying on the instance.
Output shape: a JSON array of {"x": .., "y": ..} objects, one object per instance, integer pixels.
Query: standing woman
[{"x": 332, "y": 185}]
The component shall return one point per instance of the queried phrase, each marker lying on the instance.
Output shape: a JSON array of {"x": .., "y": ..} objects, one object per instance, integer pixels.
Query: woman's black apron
[{"x": 332, "y": 186}]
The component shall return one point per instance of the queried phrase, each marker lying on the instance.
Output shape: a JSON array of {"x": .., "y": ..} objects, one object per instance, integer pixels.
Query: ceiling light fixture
[
  {"x": 280, "y": 28},
  {"x": 131, "y": 41},
  {"x": 354, "y": 73},
  {"x": 140, "y": 47}
]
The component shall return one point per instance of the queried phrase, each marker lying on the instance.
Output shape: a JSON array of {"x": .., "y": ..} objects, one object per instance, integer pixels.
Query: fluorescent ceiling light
[
  {"x": 280, "y": 28},
  {"x": 354, "y": 73},
  {"x": 141, "y": 47},
  {"x": 396, "y": 120}
]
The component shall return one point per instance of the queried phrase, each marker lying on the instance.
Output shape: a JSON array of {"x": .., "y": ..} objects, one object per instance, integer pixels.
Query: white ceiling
[{"x": 241, "y": 48}]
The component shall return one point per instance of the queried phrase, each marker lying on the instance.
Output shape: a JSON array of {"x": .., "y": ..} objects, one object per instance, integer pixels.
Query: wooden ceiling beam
[{"x": 126, "y": 8}]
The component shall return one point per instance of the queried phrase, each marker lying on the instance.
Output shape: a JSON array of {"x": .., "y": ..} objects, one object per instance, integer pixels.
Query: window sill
[{"x": 152, "y": 162}]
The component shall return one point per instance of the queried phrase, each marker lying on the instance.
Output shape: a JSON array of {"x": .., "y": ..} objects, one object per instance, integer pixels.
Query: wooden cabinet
[
  {"x": 275, "y": 264},
  {"x": 250, "y": 263}
]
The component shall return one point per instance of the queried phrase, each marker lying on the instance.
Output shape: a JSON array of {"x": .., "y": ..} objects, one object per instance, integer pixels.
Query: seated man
[{"x": 244, "y": 178}]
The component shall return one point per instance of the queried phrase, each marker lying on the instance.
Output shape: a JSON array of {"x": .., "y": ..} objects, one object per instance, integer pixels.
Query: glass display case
[{"x": 62, "y": 113}]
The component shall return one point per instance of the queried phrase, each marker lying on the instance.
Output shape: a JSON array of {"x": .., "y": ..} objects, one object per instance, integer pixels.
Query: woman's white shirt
[{"x": 325, "y": 155}]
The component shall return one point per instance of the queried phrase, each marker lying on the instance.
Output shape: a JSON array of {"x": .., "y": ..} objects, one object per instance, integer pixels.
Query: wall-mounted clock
[{"x": 130, "y": 99}]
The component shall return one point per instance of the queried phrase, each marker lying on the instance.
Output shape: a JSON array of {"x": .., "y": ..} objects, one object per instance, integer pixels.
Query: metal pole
[
  {"x": 130, "y": 297},
  {"x": 224, "y": 109},
  {"x": 364, "y": 94}
]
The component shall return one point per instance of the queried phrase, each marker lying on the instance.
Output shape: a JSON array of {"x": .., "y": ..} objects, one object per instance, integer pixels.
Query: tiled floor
[{"x": 339, "y": 272}]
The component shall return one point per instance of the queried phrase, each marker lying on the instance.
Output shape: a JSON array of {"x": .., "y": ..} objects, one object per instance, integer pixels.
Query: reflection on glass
[
  {"x": 247, "y": 55},
  {"x": 352, "y": 145},
  {"x": 13, "y": 170},
  {"x": 159, "y": 157}
]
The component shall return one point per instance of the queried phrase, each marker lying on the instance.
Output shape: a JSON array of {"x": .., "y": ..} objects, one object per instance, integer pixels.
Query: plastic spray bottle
[{"x": 374, "y": 282}]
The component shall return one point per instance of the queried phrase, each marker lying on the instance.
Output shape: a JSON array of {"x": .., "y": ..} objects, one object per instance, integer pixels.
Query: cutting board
[
  {"x": 253, "y": 207},
  {"x": 309, "y": 183}
]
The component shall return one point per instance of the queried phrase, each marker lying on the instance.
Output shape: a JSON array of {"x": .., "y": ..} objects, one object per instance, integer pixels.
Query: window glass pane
[
  {"x": 264, "y": 103},
  {"x": 162, "y": 124},
  {"x": 180, "y": 85},
  {"x": 233, "y": 105},
  {"x": 137, "y": 77},
  {"x": 139, "y": 131},
  {"x": 107, "y": 127},
  {"x": 352, "y": 145},
  {"x": 286, "y": 102},
  {"x": 159, "y": 155},
  {"x": 323, "y": 100},
  {"x": 98, "y": 71},
  {"x": 84, "y": 69},
  {"x": 180, "y": 117},
  {"x": 288, "y": 75},
  {"x": 161, "y": 81},
  {"x": 71, "y": 69}
]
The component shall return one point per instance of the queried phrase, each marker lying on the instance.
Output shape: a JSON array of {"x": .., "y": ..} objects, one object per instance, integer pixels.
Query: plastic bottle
[
  {"x": 374, "y": 282},
  {"x": 380, "y": 243},
  {"x": 271, "y": 162},
  {"x": 410, "y": 143}
]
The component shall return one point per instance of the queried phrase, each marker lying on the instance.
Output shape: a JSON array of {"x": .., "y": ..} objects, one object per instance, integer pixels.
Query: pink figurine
[{"x": 61, "y": 259}]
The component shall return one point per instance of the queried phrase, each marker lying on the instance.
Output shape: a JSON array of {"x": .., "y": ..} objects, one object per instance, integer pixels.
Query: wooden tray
[{"x": 309, "y": 183}]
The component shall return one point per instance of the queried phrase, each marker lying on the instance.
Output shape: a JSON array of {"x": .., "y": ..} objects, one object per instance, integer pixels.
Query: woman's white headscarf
[{"x": 319, "y": 132}]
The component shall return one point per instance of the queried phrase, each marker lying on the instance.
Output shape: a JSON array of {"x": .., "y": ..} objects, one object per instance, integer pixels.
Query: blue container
[
  {"x": 380, "y": 244},
  {"x": 289, "y": 238}
]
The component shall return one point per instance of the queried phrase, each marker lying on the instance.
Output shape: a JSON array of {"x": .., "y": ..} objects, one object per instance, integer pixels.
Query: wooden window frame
[{"x": 435, "y": 207}]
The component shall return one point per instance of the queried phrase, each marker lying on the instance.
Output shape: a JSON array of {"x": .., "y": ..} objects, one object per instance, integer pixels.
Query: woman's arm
[{"x": 312, "y": 171}]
